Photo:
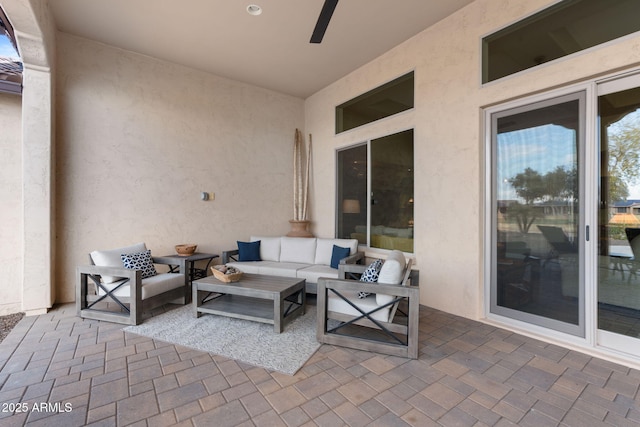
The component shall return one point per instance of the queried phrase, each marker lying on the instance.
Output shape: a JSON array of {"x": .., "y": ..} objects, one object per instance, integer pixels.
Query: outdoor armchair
[
  {"x": 106, "y": 290},
  {"x": 385, "y": 321}
]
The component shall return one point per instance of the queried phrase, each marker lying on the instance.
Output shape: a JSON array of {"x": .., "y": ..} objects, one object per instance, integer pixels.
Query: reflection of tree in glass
[
  {"x": 557, "y": 185},
  {"x": 529, "y": 185},
  {"x": 624, "y": 156},
  {"x": 524, "y": 215}
]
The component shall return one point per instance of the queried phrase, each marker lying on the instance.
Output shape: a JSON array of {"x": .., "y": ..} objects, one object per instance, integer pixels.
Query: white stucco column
[
  {"x": 38, "y": 190},
  {"x": 35, "y": 33}
]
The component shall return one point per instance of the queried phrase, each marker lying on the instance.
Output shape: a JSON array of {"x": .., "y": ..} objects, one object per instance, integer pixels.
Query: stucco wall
[
  {"x": 11, "y": 228},
  {"x": 139, "y": 139},
  {"x": 449, "y": 142}
]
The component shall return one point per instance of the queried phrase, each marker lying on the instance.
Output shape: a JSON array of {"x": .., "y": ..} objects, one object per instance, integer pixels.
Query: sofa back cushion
[
  {"x": 111, "y": 258},
  {"x": 269, "y": 248},
  {"x": 299, "y": 249},
  {"x": 324, "y": 249}
]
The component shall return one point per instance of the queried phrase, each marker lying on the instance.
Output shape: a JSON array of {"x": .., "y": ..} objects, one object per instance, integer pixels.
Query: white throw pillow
[
  {"x": 269, "y": 248},
  {"x": 298, "y": 249},
  {"x": 111, "y": 258}
]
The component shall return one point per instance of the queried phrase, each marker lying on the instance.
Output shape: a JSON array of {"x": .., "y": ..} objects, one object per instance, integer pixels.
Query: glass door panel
[
  {"x": 352, "y": 193},
  {"x": 536, "y": 250},
  {"x": 618, "y": 277},
  {"x": 392, "y": 192}
]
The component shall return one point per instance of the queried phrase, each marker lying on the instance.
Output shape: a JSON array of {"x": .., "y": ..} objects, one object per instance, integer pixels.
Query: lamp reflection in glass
[{"x": 351, "y": 206}]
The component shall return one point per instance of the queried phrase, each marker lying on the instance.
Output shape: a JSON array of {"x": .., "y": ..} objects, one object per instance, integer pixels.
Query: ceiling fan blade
[{"x": 323, "y": 20}]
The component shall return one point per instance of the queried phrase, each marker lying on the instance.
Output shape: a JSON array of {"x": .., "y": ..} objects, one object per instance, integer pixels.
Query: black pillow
[{"x": 249, "y": 251}]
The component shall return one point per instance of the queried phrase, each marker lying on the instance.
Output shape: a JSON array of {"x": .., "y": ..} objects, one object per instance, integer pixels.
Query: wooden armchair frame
[
  {"x": 88, "y": 295},
  {"x": 401, "y": 332}
]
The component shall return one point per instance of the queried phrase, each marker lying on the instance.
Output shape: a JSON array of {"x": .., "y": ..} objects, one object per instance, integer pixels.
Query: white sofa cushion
[
  {"x": 324, "y": 249},
  {"x": 111, "y": 258},
  {"x": 298, "y": 249},
  {"x": 283, "y": 269},
  {"x": 313, "y": 272},
  {"x": 269, "y": 248},
  {"x": 269, "y": 268},
  {"x": 250, "y": 267}
]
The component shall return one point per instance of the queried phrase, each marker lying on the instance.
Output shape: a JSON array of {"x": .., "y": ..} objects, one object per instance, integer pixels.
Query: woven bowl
[
  {"x": 186, "y": 249},
  {"x": 227, "y": 278}
]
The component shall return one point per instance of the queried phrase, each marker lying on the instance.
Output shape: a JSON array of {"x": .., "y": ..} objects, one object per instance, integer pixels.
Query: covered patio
[
  {"x": 88, "y": 372},
  {"x": 108, "y": 146}
]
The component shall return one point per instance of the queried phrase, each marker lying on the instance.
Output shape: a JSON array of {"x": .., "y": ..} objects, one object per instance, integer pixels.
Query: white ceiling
[{"x": 271, "y": 50}]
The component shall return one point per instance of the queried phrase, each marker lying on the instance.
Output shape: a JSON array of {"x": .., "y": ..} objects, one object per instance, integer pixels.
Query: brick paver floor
[{"x": 59, "y": 370}]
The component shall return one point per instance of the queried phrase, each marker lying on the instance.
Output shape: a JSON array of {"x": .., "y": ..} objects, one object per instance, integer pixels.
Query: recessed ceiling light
[{"x": 254, "y": 9}]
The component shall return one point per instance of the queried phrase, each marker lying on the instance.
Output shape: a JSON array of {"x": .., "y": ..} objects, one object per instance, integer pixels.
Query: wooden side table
[{"x": 195, "y": 273}]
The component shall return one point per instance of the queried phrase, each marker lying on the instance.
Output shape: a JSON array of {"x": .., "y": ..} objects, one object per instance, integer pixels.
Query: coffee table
[{"x": 267, "y": 299}]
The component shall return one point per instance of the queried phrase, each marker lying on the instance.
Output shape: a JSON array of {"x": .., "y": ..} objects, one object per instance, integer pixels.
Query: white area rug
[{"x": 243, "y": 340}]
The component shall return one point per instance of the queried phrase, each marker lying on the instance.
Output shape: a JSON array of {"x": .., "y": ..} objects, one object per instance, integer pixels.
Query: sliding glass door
[
  {"x": 618, "y": 278},
  {"x": 564, "y": 213},
  {"x": 537, "y": 214}
]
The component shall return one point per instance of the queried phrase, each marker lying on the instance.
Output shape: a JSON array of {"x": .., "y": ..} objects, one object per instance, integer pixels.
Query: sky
[
  {"x": 543, "y": 149},
  {"x": 6, "y": 48}
]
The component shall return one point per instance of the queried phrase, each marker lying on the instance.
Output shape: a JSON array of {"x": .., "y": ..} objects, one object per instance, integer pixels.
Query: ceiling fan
[{"x": 323, "y": 20}]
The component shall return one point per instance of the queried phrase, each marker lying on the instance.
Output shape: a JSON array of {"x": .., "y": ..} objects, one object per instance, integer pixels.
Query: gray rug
[{"x": 243, "y": 340}]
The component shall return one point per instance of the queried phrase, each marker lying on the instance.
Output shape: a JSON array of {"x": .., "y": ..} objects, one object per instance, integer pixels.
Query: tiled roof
[
  {"x": 625, "y": 203},
  {"x": 10, "y": 66},
  {"x": 10, "y": 75}
]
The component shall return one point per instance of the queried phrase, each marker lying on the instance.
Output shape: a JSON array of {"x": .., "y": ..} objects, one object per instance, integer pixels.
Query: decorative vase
[{"x": 299, "y": 228}]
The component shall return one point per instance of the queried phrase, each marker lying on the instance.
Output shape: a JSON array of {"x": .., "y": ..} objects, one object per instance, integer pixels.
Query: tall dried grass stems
[{"x": 300, "y": 177}]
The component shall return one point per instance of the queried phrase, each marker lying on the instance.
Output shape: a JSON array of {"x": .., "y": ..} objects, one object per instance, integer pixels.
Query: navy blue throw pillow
[
  {"x": 337, "y": 254},
  {"x": 249, "y": 251}
]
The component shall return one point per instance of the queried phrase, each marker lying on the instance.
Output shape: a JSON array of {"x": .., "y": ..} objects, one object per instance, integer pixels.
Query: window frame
[
  {"x": 534, "y": 16},
  {"x": 368, "y": 200},
  {"x": 339, "y": 109}
]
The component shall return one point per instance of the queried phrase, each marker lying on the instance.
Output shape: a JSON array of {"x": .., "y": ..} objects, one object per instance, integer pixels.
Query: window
[
  {"x": 375, "y": 192},
  {"x": 10, "y": 64},
  {"x": 384, "y": 101},
  {"x": 565, "y": 28}
]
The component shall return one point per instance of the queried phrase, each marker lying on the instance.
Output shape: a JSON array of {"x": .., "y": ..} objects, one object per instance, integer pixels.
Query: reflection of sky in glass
[
  {"x": 541, "y": 148},
  {"x": 6, "y": 48}
]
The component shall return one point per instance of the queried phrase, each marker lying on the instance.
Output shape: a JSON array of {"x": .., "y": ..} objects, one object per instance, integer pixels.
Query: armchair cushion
[
  {"x": 151, "y": 286},
  {"x": 140, "y": 261},
  {"x": 392, "y": 269},
  {"x": 249, "y": 251},
  {"x": 111, "y": 258},
  {"x": 337, "y": 254},
  {"x": 368, "y": 304},
  {"x": 391, "y": 273}
]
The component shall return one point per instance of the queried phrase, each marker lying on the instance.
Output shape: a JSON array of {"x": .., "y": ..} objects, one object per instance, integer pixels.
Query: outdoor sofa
[{"x": 306, "y": 258}]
